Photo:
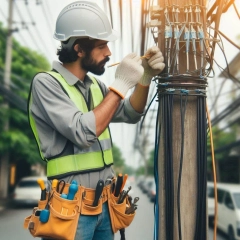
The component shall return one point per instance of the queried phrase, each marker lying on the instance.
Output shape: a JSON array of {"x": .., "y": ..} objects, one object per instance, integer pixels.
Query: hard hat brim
[{"x": 110, "y": 38}]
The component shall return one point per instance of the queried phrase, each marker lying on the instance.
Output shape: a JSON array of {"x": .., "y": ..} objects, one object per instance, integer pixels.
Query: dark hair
[{"x": 68, "y": 55}]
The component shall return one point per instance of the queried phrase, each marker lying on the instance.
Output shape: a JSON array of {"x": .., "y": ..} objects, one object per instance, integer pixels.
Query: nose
[{"x": 108, "y": 52}]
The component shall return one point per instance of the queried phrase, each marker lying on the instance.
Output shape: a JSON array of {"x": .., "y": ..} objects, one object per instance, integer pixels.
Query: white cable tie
[
  {"x": 164, "y": 84},
  {"x": 171, "y": 90}
]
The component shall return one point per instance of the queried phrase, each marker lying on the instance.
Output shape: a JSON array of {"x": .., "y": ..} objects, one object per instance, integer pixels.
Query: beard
[{"x": 90, "y": 65}]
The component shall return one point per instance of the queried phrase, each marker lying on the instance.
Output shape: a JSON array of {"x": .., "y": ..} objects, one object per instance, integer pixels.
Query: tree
[
  {"x": 149, "y": 165},
  {"x": 118, "y": 159},
  {"x": 19, "y": 139},
  {"x": 221, "y": 139}
]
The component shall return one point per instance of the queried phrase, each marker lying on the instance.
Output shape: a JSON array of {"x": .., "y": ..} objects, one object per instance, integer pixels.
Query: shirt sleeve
[
  {"x": 125, "y": 112},
  {"x": 53, "y": 106}
]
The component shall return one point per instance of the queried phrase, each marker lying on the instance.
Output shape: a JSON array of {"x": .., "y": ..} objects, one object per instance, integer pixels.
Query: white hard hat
[{"x": 83, "y": 19}]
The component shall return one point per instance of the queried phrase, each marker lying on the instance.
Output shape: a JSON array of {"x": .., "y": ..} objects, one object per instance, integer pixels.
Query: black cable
[
  {"x": 200, "y": 228},
  {"x": 122, "y": 234},
  {"x": 141, "y": 124},
  {"x": 169, "y": 186},
  {"x": 156, "y": 177},
  {"x": 198, "y": 173},
  {"x": 167, "y": 100}
]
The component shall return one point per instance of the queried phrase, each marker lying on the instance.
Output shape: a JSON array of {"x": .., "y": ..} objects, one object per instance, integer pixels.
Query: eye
[{"x": 102, "y": 46}]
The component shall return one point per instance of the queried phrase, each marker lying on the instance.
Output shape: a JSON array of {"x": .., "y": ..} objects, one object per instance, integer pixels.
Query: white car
[
  {"x": 28, "y": 191},
  {"x": 229, "y": 209},
  {"x": 210, "y": 202}
]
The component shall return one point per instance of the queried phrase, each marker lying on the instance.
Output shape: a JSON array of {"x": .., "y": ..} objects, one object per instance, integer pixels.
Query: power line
[
  {"x": 49, "y": 12},
  {"x": 16, "y": 48},
  {"x": 229, "y": 109},
  {"x": 226, "y": 93},
  {"x": 3, "y": 14},
  {"x": 36, "y": 29},
  {"x": 18, "y": 78},
  {"x": 46, "y": 18},
  {"x": 20, "y": 15},
  {"x": 13, "y": 98}
]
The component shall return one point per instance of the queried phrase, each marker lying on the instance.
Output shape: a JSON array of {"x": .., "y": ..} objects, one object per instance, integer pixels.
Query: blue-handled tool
[
  {"x": 74, "y": 182},
  {"x": 72, "y": 191},
  {"x": 44, "y": 215},
  {"x": 63, "y": 195}
]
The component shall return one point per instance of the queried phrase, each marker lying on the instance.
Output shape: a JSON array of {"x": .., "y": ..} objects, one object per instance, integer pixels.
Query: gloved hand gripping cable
[{"x": 152, "y": 65}]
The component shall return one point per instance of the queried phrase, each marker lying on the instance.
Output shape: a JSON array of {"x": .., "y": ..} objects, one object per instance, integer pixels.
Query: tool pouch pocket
[
  {"x": 87, "y": 202},
  {"x": 119, "y": 218},
  {"x": 63, "y": 217}
]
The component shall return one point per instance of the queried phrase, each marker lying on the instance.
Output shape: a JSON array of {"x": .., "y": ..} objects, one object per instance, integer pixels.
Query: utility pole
[
  {"x": 4, "y": 164},
  {"x": 182, "y": 151}
]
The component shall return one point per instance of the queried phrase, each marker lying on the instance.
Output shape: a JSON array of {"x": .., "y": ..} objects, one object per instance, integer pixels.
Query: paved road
[
  {"x": 143, "y": 225},
  {"x": 11, "y": 222}
]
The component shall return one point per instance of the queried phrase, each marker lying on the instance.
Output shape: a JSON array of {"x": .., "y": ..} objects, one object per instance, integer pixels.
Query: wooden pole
[{"x": 185, "y": 201}]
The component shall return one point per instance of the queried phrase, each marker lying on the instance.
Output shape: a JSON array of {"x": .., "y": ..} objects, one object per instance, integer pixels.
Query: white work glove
[
  {"x": 127, "y": 75},
  {"x": 152, "y": 65}
]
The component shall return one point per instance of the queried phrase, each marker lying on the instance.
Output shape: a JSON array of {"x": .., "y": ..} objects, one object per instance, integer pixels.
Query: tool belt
[
  {"x": 119, "y": 219},
  {"x": 63, "y": 214}
]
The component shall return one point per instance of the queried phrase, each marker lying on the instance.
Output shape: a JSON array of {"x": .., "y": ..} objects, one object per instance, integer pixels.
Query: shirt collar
[{"x": 70, "y": 78}]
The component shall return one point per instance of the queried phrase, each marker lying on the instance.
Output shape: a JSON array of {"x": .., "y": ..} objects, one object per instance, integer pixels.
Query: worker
[{"x": 70, "y": 110}]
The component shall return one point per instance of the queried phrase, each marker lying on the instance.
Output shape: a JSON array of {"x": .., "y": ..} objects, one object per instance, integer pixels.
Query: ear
[{"x": 79, "y": 50}]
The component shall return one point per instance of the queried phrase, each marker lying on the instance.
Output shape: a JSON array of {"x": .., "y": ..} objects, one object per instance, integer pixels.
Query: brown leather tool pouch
[
  {"x": 63, "y": 216},
  {"x": 119, "y": 218},
  {"x": 87, "y": 202}
]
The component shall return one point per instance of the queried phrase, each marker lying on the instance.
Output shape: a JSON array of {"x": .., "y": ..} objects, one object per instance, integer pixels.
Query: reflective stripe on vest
[{"x": 92, "y": 158}]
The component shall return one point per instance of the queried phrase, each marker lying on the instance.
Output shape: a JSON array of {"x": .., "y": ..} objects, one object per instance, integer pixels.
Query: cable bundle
[
  {"x": 167, "y": 98},
  {"x": 200, "y": 231}
]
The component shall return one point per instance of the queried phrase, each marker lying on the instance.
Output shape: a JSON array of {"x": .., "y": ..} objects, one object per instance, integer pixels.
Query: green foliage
[
  {"x": 118, "y": 160},
  {"x": 150, "y": 166},
  {"x": 18, "y": 140},
  {"x": 129, "y": 170},
  {"x": 221, "y": 139},
  {"x": 140, "y": 171}
]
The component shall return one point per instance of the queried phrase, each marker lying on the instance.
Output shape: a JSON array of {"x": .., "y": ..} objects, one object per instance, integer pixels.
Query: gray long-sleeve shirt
[{"x": 62, "y": 128}]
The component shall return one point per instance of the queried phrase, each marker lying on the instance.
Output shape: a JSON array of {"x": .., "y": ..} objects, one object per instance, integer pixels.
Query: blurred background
[{"x": 27, "y": 46}]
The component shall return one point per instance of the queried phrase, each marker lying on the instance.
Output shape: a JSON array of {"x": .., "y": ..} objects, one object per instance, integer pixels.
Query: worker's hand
[
  {"x": 153, "y": 65},
  {"x": 127, "y": 75}
]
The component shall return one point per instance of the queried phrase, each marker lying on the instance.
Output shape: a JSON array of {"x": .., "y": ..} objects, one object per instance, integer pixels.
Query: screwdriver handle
[
  {"x": 43, "y": 188},
  {"x": 124, "y": 181},
  {"x": 54, "y": 183},
  {"x": 118, "y": 185},
  {"x": 41, "y": 183}
]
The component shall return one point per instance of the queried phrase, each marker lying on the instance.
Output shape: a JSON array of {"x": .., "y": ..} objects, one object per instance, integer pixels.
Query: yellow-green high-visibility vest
[{"x": 95, "y": 158}]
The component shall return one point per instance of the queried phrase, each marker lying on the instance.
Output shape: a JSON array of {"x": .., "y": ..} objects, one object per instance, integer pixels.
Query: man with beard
[{"x": 70, "y": 110}]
